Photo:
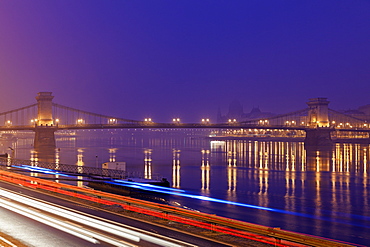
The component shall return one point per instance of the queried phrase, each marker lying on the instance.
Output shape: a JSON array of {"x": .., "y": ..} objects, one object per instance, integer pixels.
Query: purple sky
[{"x": 167, "y": 58}]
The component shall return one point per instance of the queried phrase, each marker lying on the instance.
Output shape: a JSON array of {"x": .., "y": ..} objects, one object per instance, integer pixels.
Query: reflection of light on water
[
  {"x": 112, "y": 154},
  {"x": 205, "y": 169},
  {"x": 218, "y": 146},
  {"x": 148, "y": 163},
  {"x": 34, "y": 162},
  {"x": 263, "y": 177},
  {"x": 231, "y": 170},
  {"x": 231, "y": 179},
  {"x": 80, "y": 164},
  {"x": 290, "y": 180},
  {"x": 365, "y": 162},
  {"x": 255, "y": 153},
  {"x": 57, "y": 154},
  {"x": 176, "y": 168}
]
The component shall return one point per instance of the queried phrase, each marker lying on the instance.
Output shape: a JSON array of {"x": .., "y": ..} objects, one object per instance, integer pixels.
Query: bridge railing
[{"x": 34, "y": 166}]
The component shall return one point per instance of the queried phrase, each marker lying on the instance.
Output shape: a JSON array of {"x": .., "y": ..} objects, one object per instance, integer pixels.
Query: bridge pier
[
  {"x": 44, "y": 137},
  {"x": 318, "y": 138}
]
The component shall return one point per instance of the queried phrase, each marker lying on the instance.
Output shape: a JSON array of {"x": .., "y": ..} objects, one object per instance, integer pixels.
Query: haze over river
[{"x": 272, "y": 183}]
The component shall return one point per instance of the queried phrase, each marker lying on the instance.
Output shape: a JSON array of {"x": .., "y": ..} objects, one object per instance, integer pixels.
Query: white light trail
[
  {"x": 88, "y": 220},
  {"x": 45, "y": 220},
  {"x": 8, "y": 242}
]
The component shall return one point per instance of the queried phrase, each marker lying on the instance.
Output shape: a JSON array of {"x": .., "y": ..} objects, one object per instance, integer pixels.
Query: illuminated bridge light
[
  {"x": 176, "y": 120},
  {"x": 80, "y": 121},
  {"x": 112, "y": 121},
  {"x": 147, "y": 120}
]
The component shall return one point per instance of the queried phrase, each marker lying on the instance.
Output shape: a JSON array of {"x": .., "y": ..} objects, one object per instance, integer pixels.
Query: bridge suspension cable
[
  {"x": 342, "y": 120},
  {"x": 69, "y": 115},
  {"x": 296, "y": 117},
  {"x": 20, "y": 116}
]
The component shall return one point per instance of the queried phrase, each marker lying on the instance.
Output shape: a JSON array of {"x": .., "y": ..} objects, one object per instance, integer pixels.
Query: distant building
[
  {"x": 236, "y": 112},
  {"x": 363, "y": 112}
]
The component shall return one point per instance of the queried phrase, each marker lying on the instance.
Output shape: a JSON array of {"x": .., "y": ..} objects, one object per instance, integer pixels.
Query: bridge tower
[
  {"x": 44, "y": 109},
  {"x": 44, "y": 126},
  {"x": 318, "y": 115},
  {"x": 318, "y": 133}
]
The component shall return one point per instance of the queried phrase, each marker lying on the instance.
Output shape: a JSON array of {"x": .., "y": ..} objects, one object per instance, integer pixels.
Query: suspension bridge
[{"x": 45, "y": 117}]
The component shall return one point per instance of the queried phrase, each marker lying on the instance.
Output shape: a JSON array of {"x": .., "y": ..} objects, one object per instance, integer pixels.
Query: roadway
[
  {"x": 34, "y": 233},
  {"x": 152, "y": 125}
]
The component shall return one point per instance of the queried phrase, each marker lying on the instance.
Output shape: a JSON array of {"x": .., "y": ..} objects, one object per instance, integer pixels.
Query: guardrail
[
  {"x": 274, "y": 236},
  {"x": 74, "y": 169}
]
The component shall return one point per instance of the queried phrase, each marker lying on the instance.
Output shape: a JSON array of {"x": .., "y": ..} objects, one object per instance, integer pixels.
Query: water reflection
[
  {"x": 148, "y": 163},
  {"x": 112, "y": 154},
  {"x": 34, "y": 162},
  {"x": 292, "y": 156},
  {"x": 46, "y": 154},
  {"x": 205, "y": 168},
  {"x": 176, "y": 168},
  {"x": 236, "y": 154},
  {"x": 80, "y": 164}
]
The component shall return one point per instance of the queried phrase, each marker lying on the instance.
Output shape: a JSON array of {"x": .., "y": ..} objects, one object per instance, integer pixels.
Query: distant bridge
[{"x": 45, "y": 117}]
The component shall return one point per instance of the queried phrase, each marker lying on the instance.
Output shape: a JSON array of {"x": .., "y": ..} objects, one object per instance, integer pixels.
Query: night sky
[{"x": 184, "y": 58}]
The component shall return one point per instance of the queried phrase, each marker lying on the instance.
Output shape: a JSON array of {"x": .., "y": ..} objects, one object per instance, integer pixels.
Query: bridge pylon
[
  {"x": 318, "y": 114},
  {"x": 44, "y": 124},
  {"x": 318, "y": 134},
  {"x": 44, "y": 109}
]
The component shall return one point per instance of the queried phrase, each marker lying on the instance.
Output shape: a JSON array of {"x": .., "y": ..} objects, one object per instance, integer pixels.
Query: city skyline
[{"x": 186, "y": 59}]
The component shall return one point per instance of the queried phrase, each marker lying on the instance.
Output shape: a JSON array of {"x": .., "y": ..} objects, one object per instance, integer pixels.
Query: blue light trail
[
  {"x": 182, "y": 193},
  {"x": 41, "y": 170}
]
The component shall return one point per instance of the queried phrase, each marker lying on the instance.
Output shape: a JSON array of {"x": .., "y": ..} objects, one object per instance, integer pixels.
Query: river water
[{"x": 272, "y": 183}]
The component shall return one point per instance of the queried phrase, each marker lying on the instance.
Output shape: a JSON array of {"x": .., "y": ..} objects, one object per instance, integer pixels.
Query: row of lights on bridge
[{"x": 203, "y": 120}]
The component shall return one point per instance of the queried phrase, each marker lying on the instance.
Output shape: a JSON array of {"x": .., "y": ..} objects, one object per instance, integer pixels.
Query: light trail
[
  {"x": 186, "y": 216},
  {"x": 41, "y": 170},
  {"x": 45, "y": 220},
  {"x": 92, "y": 222},
  {"x": 176, "y": 192},
  {"x": 182, "y": 193},
  {"x": 7, "y": 242}
]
